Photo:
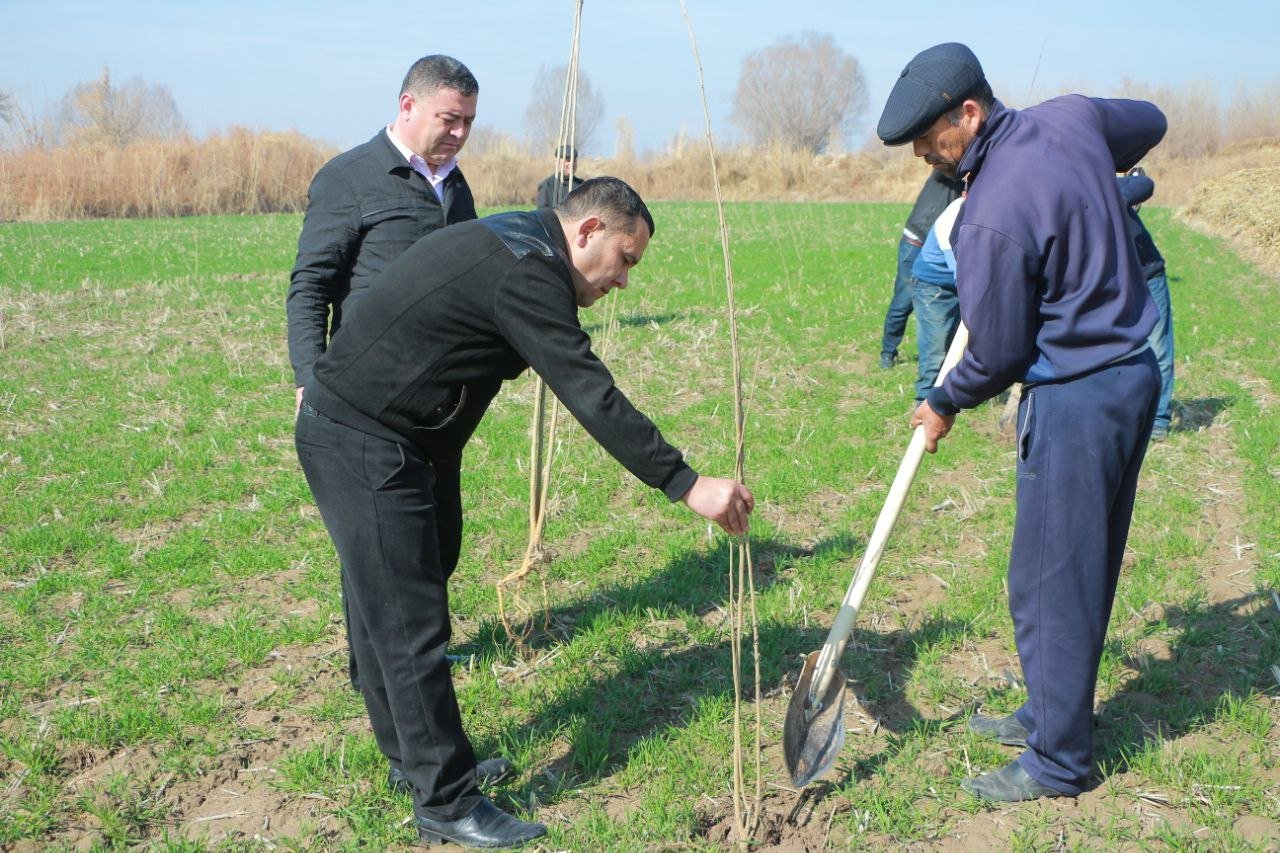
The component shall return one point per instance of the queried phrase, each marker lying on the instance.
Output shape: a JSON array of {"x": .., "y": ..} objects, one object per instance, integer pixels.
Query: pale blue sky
[{"x": 332, "y": 70}]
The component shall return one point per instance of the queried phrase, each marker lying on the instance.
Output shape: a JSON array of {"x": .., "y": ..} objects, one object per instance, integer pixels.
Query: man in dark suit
[
  {"x": 383, "y": 423},
  {"x": 369, "y": 204}
]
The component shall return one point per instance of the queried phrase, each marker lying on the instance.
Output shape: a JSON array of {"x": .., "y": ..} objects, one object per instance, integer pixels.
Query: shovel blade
[{"x": 813, "y": 733}]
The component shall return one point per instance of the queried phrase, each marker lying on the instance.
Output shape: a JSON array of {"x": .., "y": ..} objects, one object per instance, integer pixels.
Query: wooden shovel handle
[{"x": 848, "y": 613}]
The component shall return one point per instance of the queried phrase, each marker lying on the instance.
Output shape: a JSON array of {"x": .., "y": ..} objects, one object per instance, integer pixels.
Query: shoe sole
[{"x": 438, "y": 838}]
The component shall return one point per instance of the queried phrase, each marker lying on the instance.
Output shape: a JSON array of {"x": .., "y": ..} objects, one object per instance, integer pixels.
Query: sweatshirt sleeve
[
  {"x": 998, "y": 286},
  {"x": 1131, "y": 128},
  {"x": 537, "y": 315}
]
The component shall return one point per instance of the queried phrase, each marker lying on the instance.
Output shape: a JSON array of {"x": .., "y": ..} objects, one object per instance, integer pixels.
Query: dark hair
[
  {"x": 981, "y": 92},
  {"x": 607, "y": 198},
  {"x": 431, "y": 73}
]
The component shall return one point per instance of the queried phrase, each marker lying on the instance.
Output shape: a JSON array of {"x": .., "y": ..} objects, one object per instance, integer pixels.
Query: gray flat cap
[{"x": 935, "y": 81}]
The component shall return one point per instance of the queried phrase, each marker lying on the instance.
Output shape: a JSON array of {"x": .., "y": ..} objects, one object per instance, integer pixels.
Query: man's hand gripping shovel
[{"x": 813, "y": 733}]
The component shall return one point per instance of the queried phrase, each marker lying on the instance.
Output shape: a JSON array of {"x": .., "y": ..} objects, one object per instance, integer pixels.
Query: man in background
[
  {"x": 933, "y": 293},
  {"x": 1053, "y": 296},
  {"x": 938, "y": 191},
  {"x": 563, "y": 181},
  {"x": 369, "y": 204},
  {"x": 1136, "y": 188}
]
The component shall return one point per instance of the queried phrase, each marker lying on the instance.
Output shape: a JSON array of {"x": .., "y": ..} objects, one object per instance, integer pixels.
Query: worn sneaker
[
  {"x": 1006, "y": 730},
  {"x": 1009, "y": 784}
]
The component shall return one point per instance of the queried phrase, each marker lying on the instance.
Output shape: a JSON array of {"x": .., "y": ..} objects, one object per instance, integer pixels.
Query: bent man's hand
[
  {"x": 936, "y": 426},
  {"x": 726, "y": 502},
  {"x": 297, "y": 406}
]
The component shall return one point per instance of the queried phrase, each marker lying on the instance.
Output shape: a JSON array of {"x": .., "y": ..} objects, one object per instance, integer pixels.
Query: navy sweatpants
[{"x": 1080, "y": 446}]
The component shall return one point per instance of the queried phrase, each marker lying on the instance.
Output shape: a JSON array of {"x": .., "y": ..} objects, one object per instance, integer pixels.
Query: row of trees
[
  {"x": 98, "y": 113},
  {"x": 800, "y": 94},
  {"x": 803, "y": 94},
  {"x": 797, "y": 94}
]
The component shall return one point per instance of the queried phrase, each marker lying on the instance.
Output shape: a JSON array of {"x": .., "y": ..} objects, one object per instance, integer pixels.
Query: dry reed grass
[
  {"x": 234, "y": 172},
  {"x": 1227, "y": 192},
  {"x": 245, "y": 172}
]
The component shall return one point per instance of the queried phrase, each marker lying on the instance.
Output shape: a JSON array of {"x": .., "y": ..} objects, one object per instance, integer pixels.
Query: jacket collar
[
  {"x": 536, "y": 231},
  {"x": 388, "y": 155},
  {"x": 996, "y": 127}
]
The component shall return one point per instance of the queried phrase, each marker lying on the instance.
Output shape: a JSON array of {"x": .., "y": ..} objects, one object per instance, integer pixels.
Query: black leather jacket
[
  {"x": 364, "y": 208},
  {"x": 462, "y": 310}
]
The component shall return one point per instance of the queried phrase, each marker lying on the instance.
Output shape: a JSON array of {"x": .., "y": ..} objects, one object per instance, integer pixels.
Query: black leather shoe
[
  {"x": 1009, "y": 784},
  {"x": 488, "y": 772},
  {"x": 486, "y": 826},
  {"x": 886, "y": 361},
  {"x": 1007, "y": 730}
]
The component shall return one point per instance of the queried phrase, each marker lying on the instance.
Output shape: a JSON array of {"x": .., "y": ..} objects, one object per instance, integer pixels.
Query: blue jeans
[
  {"x": 895, "y": 319},
  {"x": 937, "y": 317},
  {"x": 1161, "y": 341}
]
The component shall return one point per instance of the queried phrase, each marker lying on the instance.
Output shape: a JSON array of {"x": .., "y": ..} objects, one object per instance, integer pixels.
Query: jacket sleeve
[
  {"x": 998, "y": 305},
  {"x": 1131, "y": 128},
  {"x": 321, "y": 274},
  {"x": 536, "y": 314},
  {"x": 1135, "y": 189}
]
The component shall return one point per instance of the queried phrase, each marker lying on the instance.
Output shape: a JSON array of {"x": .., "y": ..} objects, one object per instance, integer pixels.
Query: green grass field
[{"x": 172, "y": 658}]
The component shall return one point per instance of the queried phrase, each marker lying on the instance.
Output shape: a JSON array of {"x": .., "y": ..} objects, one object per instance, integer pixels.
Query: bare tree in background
[
  {"x": 17, "y": 131},
  {"x": 624, "y": 140},
  {"x": 542, "y": 116},
  {"x": 800, "y": 94},
  {"x": 104, "y": 114}
]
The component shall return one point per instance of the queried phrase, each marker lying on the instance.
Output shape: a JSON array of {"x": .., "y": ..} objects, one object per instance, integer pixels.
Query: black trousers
[{"x": 395, "y": 518}]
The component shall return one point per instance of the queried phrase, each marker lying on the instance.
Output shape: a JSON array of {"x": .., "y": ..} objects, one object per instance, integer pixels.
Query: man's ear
[
  {"x": 973, "y": 113},
  {"x": 587, "y": 226}
]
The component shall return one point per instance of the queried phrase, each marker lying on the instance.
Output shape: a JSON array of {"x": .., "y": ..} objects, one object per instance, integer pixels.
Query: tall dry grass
[
  {"x": 238, "y": 171},
  {"x": 1208, "y": 146},
  {"x": 509, "y": 178},
  {"x": 245, "y": 172}
]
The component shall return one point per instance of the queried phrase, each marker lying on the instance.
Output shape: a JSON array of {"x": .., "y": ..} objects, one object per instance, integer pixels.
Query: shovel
[{"x": 813, "y": 733}]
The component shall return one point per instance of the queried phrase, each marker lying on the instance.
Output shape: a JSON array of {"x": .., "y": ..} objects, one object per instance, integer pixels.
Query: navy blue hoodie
[{"x": 1049, "y": 284}]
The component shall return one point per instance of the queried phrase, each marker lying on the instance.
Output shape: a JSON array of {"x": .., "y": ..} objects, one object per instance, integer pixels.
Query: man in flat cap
[
  {"x": 563, "y": 181},
  {"x": 1053, "y": 296}
]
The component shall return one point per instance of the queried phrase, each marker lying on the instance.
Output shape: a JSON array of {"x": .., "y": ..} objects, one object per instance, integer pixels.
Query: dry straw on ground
[{"x": 1242, "y": 204}]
